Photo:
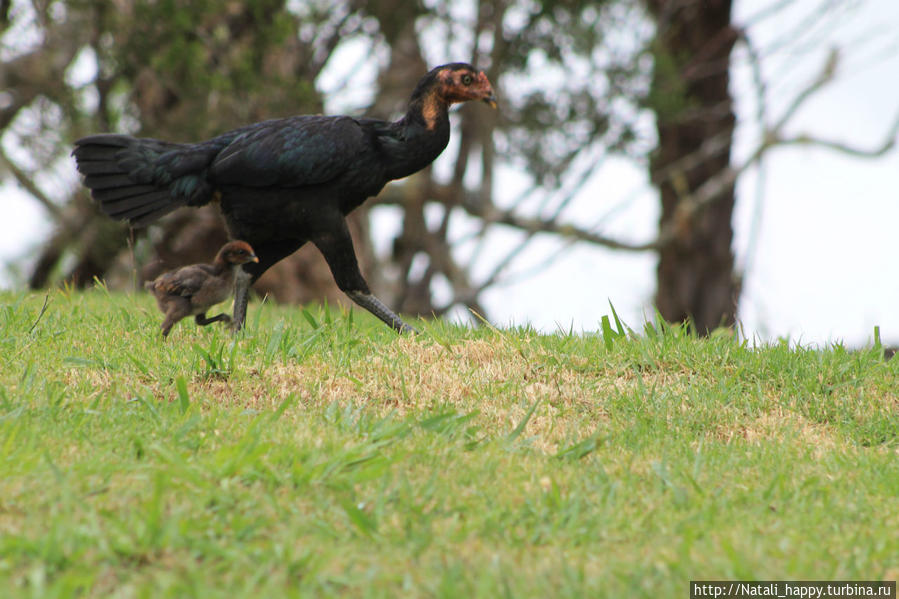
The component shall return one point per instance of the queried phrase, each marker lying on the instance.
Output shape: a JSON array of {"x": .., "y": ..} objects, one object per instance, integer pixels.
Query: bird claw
[{"x": 377, "y": 307}]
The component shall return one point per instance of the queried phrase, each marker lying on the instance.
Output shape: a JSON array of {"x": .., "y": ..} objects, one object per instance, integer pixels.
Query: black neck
[{"x": 420, "y": 136}]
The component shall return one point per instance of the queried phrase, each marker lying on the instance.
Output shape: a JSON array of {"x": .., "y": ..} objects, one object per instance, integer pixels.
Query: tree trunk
[{"x": 692, "y": 102}]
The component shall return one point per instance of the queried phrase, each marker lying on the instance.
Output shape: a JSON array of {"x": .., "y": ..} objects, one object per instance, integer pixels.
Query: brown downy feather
[{"x": 193, "y": 289}]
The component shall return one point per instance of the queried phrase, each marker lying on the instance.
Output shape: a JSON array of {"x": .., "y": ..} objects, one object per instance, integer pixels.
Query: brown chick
[{"x": 191, "y": 290}]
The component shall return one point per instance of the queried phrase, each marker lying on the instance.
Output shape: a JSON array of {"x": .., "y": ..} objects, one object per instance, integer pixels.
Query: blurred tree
[
  {"x": 579, "y": 81},
  {"x": 691, "y": 100},
  {"x": 568, "y": 98},
  {"x": 176, "y": 70}
]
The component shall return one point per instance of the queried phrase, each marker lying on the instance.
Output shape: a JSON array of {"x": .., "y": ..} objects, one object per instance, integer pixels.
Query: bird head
[
  {"x": 460, "y": 82},
  {"x": 238, "y": 252}
]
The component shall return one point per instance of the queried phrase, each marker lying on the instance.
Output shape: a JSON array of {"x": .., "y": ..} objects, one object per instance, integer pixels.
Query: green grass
[{"x": 319, "y": 454}]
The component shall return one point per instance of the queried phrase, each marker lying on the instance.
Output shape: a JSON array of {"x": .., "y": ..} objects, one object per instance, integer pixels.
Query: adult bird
[{"x": 283, "y": 182}]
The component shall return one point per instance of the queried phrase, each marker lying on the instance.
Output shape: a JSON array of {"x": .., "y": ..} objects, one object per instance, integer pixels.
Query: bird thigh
[
  {"x": 176, "y": 308},
  {"x": 337, "y": 247}
]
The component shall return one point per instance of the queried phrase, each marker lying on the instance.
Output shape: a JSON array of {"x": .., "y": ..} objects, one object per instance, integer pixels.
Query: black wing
[{"x": 292, "y": 152}]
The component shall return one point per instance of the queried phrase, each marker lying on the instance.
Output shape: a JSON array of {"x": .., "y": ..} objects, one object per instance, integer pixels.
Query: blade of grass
[
  {"x": 608, "y": 335},
  {"x": 362, "y": 521},
  {"x": 618, "y": 324},
  {"x": 288, "y": 401},
  {"x": 516, "y": 432},
  {"x": 183, "y": 397}
]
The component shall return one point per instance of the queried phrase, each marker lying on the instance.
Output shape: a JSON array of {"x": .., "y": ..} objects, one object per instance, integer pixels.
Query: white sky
[{"x": 824, "y": 265}]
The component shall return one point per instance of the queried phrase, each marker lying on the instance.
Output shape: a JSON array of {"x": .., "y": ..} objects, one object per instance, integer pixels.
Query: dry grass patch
[
  {"x": 779, "y": 424},
  {"x": 491, "y": 377}
]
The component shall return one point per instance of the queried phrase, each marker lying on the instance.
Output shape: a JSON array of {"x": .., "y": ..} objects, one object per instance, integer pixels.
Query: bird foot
[{"x": 377, "y": 307}]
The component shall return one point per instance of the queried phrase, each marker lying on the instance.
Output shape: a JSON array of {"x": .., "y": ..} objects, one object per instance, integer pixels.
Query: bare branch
[
  {"x": 767, "y": 12},
  {"x": 888, "y": 143},
  {"x": 537, "y": 225},
  {"x": 758, "y": 80},
  {"x": 712, "y": 188},
  {"x": 492, "y": 278},
  {"x": 534, "y": 269},
  {"x": 691, "y": 203},
  {"x": 26, "y": 181},
  {"x": 828, "y": 70},
  {"x": 761, "y": 117},
  {"x": 40, "y": 72},
  {"x": 471, "y": 204},
  {"x": 711, "y": 147}
]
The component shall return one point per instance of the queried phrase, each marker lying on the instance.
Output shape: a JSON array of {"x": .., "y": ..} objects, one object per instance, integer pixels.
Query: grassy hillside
[{"x": 321, "y": 454}]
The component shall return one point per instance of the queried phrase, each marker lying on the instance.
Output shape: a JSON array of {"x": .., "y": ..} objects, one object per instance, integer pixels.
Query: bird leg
[
  {"x": 176, "y": 308},
  {"x": 377, "y": 307},
  {"x": 336, "y": 246},
  {"x": 241, "y": 297},
  {"x": 202, "y": 320},
  {"x": 167, "y": 325}
]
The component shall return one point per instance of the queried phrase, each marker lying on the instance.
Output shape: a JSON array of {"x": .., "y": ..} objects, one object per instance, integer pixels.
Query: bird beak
[
  {"x": 253, "y": 258},
  {"x": 490, "y": 98}
]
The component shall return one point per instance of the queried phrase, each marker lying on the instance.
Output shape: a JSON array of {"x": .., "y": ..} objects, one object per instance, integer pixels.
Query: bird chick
[{"x": 193, "y": 289}]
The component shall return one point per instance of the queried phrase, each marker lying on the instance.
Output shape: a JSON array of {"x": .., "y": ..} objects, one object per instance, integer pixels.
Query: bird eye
[{"x": 466, "y": 79}]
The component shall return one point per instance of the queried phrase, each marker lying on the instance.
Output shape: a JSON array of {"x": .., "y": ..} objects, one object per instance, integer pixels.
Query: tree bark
[{"x": 695, "y": 277}]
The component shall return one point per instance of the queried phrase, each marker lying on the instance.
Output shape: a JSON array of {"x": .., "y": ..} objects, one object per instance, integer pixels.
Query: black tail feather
[
  {"x": 98, "y": 167},
  {"x": 113, "y": 195},
  {"x": 125, "y": 207},
  {"x": 116, "y": 140},
  {"x": 85, "y": 154},
  {"x": 114, "y": 168},
  {"x": 114, "y": 181}
]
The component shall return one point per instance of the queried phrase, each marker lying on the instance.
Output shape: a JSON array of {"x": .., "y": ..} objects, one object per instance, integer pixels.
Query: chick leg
[
  {"x": 202, "y": 320},
  {"x": 167, "y": 325},
  {"x": 176, "y": 309}
]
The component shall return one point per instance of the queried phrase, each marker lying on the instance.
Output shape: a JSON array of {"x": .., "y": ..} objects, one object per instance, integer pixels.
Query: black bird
[
  {"x": 193, "y": 289},
  {"x": 283, "y": 182}
]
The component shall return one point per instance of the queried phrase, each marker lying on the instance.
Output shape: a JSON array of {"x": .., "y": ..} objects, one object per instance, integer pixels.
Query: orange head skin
[
  {"x": 463, "y": 85},
  {"x": 452, "y": 84}
]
